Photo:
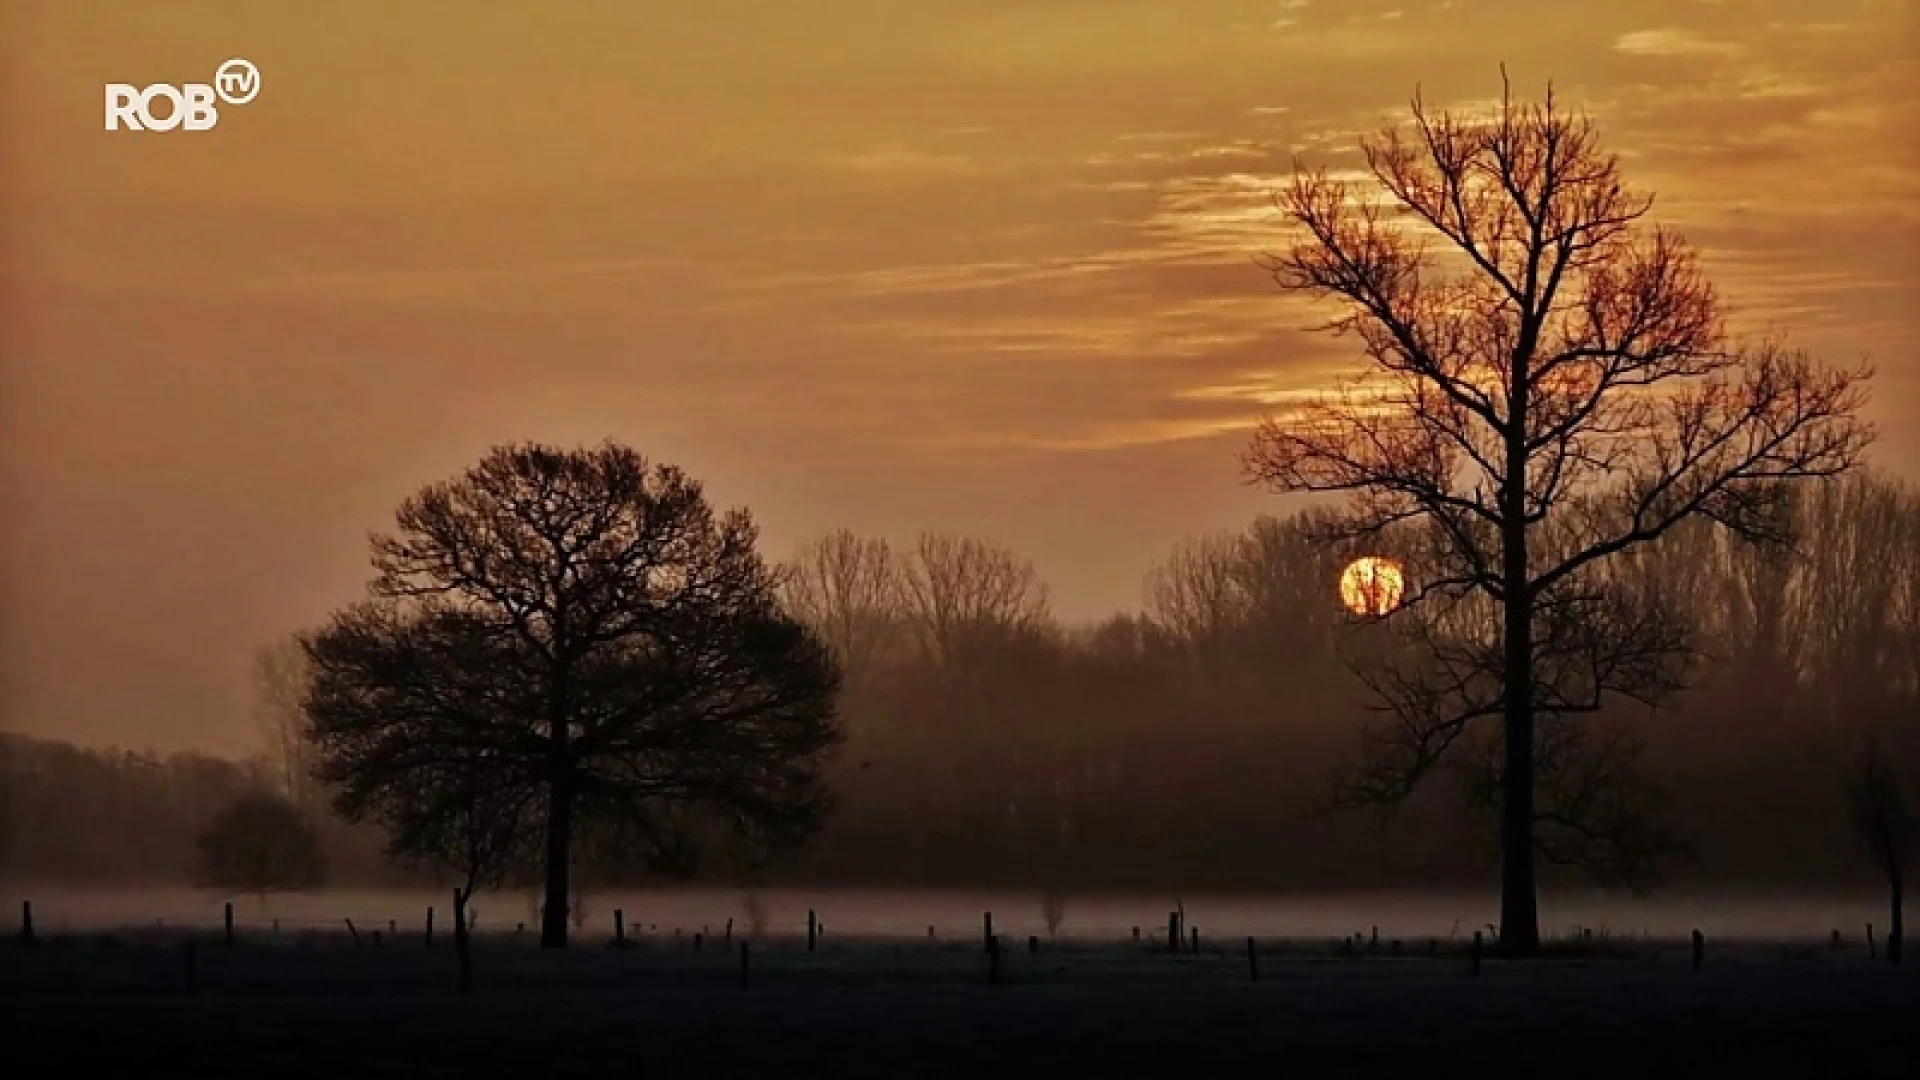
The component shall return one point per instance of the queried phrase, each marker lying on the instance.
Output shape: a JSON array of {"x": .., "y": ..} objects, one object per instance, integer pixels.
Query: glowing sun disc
[{"x": 1372, "y": 585}]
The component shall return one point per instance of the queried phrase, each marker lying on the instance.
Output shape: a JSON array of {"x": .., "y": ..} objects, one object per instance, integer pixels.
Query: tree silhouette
[
  {"x": 260, "y": 843},
  {"x": 1883, "y": 821},
  {"x": 573, "y": 640},
  {"x": 1549, "y": 386}
]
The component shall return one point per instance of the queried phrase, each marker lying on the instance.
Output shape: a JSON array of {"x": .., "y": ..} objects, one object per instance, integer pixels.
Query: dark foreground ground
[{"x": 323, "y": 1008}]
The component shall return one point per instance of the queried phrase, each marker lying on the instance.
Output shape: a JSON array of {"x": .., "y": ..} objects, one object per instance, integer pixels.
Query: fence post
[
  {"x": 813, "y": 929},
  {"x": 1699, "y": 949},
  {"x": 729, "y": 928},
  {"x": 228, "y": 918},
  {"x": 619, "y": 928},
  {"x": 26, "y": 922},
  {"x": 1173, "y": 932},
  {"x": 986, "y": 929},
  {"x": 746, "y": 977},
  {"x": 429, "y": 937},
  {"x": 1195, "y": 950},
  {"x": 1872, "y": 950},
  {"x": 1476, "y": 954},
  {"x": 1253, "y": 961}
]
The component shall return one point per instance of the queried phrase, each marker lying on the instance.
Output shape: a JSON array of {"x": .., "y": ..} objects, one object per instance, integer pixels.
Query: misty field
[{"x": 313, "y": 1003}]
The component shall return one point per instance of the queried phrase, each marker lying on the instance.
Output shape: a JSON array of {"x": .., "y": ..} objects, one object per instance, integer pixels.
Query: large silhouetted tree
[
  {"x": 1549, "y": 386},
  {"x": 573, "y": 638}
]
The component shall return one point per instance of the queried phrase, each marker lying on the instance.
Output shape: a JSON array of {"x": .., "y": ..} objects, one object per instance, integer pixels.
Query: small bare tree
[
  {"x": 1883, "y": 821},
  {"x": 1053, "y": 908},
  {"x": 1549, "y": 386},
  {"x": 261, "y": 843}
]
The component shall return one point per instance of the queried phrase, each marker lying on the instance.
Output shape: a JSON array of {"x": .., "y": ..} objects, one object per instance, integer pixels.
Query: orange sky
[{"x": 981, "y": 265}]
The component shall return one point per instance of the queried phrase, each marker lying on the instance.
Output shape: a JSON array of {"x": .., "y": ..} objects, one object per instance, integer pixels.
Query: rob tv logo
[{"x": 193, "y": 107}]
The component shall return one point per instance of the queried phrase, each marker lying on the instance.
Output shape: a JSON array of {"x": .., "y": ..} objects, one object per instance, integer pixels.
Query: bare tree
[
  {"x": 1053, "y": 908},
  {"x": 583, "y": 629},
  {"x": 1883, "y": 821},
  {"x": 847, "y": 588},
  {"x": 962, "y": 593},
  {"x": 280, "y": 675},
  {"x": 1553, "y": 391}
]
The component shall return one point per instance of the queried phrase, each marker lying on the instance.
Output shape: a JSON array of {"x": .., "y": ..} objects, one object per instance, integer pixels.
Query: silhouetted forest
[{"x": 1189, "y": 745}]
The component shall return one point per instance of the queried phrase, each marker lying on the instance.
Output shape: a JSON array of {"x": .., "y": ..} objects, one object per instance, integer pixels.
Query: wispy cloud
[{"x": 1670, "y": 42}]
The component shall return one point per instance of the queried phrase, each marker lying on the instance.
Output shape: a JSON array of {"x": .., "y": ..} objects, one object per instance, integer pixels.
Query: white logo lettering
[{"x": 192, "y": 107}]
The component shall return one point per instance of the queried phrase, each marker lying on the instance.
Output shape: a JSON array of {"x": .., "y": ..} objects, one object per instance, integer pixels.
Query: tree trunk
[
  {"x": 1519, "y": 906},
  {"x": 553, "y": 915}
]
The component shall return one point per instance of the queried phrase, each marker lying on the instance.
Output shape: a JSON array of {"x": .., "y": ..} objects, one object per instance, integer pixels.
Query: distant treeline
[{"x": 1190, "y": 746}]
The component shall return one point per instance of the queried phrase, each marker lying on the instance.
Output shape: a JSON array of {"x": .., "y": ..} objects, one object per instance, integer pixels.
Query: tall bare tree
[
  {"x": 583, "y": 626},
  {"x": 963, "y": 593},
  {"x": 280, "y": 675},
  {"x": 1549, "y": 385},
  {"x": 847, "y": 588}
]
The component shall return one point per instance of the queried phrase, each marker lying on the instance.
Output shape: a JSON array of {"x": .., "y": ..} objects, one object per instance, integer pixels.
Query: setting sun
[{"x": 1372, "y": 585}]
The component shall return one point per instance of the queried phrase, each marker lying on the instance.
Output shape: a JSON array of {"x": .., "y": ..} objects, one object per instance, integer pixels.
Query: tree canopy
[{"x": 568, "y": 655}]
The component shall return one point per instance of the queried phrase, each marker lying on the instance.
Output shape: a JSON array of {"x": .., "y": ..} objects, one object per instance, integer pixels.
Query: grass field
[{"x": 314, "y": 1004}]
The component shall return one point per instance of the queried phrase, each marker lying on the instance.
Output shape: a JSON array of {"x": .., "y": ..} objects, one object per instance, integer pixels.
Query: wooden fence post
[
  {"x": 1872, "y": 951},
  {"x": 228, "y": 919},
  {"x": 1195, "y": 950},
  {"x": 813, "y": 929},
  {"x": 429, "y": 935},
  {"x": 986, "y": 929},
  {"x": 619, "y": 928},
  {"x": 1699, "y": 949},
  {"x": 1476, "y": 953},
  {"x": 26, "y": 922},
  {"x": 1173, "y": 932},
  {"x": 1253, "y": 961}
]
